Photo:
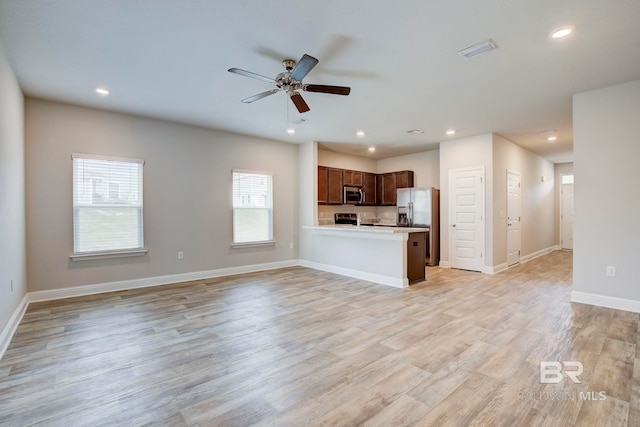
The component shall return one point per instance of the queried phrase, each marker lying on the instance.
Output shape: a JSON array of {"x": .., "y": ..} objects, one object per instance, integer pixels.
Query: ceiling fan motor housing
[{"x": 289, "y": 64}]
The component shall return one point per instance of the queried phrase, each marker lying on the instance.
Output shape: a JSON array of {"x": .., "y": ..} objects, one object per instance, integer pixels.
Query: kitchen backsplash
[{"x": 376, "y": 214}]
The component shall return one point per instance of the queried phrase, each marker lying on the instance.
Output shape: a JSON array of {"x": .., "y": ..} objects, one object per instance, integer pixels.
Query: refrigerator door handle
[{"x": 410, "y": 214}]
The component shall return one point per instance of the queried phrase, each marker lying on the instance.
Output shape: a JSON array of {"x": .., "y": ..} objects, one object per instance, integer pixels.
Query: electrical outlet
[
  {"x": 611, "y": 271},
  {"x": 180, "y": 255}
]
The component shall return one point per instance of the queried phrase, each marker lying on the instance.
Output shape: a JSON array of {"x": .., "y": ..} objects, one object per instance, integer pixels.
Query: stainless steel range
[
  {"x": 350, "y": 218},
  {"x": 346, "y": 218}
]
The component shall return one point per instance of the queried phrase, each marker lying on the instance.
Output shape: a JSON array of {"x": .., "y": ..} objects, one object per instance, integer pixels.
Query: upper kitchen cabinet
[
  {"x": 388, "y": 183},
  {"x": 369, "y": 189},
  {"x": 386, "y": 189},
  {"x": 329, "y": 186},
  {"x": 354, "y": 178},
  {"x": 323, "y": 185},
  {"x": 404, "y": 179},
  {"x": 379, "y": 190}
]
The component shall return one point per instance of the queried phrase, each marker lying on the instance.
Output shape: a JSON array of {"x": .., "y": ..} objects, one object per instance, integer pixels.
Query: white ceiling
[{"x": 169, "y": 60}]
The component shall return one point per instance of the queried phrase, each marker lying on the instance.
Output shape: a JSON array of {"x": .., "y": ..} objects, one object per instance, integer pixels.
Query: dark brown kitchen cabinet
[
  {"x": 369, "y": 189},
  {"x": 404, "y": 179},
  {"x": 416, "y": 257},
  {"x": 334, "y": 180},
  {"x": 350, "y": 177},
  {"x": 329, "y": 186},
  {"x": 323, "y": 185},
  {"x": 378, "y": 189},
  {"x": 388, "y": 183},
  {"x": 386, "y": 189}
]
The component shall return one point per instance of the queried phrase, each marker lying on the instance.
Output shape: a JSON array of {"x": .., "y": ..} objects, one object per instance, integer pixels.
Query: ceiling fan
[{"x": 290, "y": 81}]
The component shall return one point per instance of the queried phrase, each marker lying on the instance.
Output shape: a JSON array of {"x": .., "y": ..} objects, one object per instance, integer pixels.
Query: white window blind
[
  {"x": 252, "y": 207},
  {"x": 107, "y": 204}
]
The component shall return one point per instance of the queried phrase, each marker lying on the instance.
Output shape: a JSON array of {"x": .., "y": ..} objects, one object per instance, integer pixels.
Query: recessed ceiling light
[
  {"x": 477, "y": 49},
  {"x": 561, "y": 32},
  {"x": 102, "y": 91},
  {"x": 372, "y": 149},
  {"x": 552, "y": 138},
  {"x": 415, "y": 131},
  {"x": 291, "y": 131},
  {"x": 360, "y": 133},
  {"x": 451, "y": 132}
]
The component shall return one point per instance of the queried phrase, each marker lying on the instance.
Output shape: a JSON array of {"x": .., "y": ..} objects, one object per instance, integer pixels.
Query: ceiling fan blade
[
  {"x": 303, "y": 67},
  {"x": 259, "y": 96},
  {"x": 335, "y": 90},
  {"x": 252, "y": 75},
  {"x": 297, "y": 100}
]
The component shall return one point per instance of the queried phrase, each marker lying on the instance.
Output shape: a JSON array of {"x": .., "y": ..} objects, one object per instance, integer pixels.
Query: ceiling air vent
[
  {"x": 415, "y": 131},
  {"x": 477, "y": 49}
]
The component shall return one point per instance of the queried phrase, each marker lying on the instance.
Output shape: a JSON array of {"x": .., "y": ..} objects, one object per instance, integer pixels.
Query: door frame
[
  {"x": 483, "y": 228},
  {"x": 510, "y": 171},
  {"x": 561, "y": 210}
]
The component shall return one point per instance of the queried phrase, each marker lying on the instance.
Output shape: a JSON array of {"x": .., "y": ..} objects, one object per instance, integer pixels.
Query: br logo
[{"x": 551, "y": 372}]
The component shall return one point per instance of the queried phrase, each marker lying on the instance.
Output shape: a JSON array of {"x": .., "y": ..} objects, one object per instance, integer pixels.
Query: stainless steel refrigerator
[{"x": 420, "y": 207}]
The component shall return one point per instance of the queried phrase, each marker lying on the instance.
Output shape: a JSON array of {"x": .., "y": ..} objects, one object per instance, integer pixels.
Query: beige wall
[
  {"x": 465, "y": 153},
  {"x": 346, "y": 161},
  {"x": 12, "y": 193},
  {"x": 308, "y": 180},
  {"x": 425, "y": 165},
  {"x": 187, "y": 194},
  {"x": 537, "y": 199},
  {"x": 607, "y": 201},
  {"x": 560, "y": 169}
]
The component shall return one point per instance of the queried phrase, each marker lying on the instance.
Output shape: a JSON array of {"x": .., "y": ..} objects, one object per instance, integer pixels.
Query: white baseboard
[
  {"x": 7, "y": 333},
  {"x": 99, "y": 288},
  {"x": 541, "y": 252},
  {"x": 357, "y": 274},
  {"x": 444, "y": 264},
  {"x": 606, "y": 301},
  {"x": 496, "y": 268}
]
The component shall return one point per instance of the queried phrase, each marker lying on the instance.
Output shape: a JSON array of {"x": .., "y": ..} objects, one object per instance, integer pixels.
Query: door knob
[{"x": 453, "y": 225}]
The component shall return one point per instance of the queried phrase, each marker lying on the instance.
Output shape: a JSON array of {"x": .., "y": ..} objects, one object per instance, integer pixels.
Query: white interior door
[
  {"x": 466, "y": 218},
  {"x": 514, "y": 208},
  {"x": 567, "y": 215}
]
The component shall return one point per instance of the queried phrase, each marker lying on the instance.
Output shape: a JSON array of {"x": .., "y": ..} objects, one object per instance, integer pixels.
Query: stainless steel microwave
[{"x": 352, "y": 195}]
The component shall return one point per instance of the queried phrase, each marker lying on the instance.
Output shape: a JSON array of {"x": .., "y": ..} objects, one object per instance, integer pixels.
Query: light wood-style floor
[{"x": 298, "y": 347}]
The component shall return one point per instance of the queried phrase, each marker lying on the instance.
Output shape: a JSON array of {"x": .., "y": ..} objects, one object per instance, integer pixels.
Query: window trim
[
  {"x": 90, "y": 256},
  {"x": 116, "y": 253},
  {"x": 270, "y": 242}
]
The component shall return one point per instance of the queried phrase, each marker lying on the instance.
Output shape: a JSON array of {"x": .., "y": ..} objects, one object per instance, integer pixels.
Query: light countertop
[{"x": 369, "y": 228}]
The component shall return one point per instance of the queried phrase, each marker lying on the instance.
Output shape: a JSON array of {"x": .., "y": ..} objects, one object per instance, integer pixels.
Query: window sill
[
  {"x": 106, "y": 255},
  {"x": 253, "y": 244}
]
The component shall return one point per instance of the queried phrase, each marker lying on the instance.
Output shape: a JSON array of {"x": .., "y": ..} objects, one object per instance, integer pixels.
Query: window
[
  {"x": 252, "y": 207},
  {"x": 107, "y": 205}
]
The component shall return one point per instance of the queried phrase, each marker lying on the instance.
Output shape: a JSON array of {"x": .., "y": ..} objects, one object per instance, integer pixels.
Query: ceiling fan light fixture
[
  {"x": 477, "y": 49},
  {"x": 291, "y": 131},
  {"x": 360, "y": 134},
  {"x": 102, "y": 91},
  {"x": 451, "y": 132}
]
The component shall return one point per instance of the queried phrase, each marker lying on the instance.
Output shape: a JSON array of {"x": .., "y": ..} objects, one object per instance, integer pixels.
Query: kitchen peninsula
[{"x": 393, "y": 256}]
